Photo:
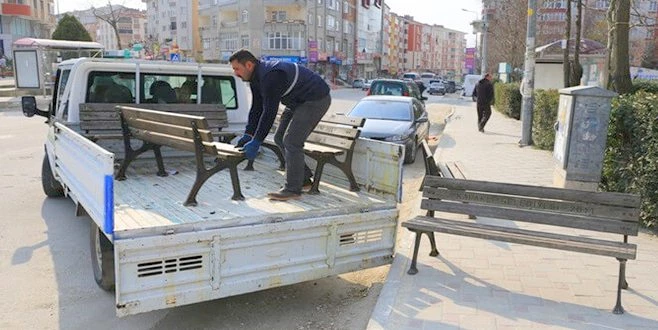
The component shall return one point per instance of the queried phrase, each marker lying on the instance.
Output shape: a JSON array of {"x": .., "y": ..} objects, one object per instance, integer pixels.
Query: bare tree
[
  {"x": 618, "y": 45},
  {"x": 507, "y": 31},
  {"x": 566, "y": 68},
  {"x": 111, "y": 14},
  {"x": 576, "y": 70}
]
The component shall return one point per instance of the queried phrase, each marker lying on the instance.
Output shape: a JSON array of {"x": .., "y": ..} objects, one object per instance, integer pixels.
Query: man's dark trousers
[
  {"x": 484, "y": 113},
  {"x": 294, "y": 128}
]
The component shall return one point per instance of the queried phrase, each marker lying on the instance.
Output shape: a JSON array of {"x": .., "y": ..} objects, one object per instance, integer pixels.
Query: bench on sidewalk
[
  {"x": 184, "y": 132},
  {"x": 333, "y": 138},
  {"x": 596, "y": 212},
  {"x": 100, "y": 121}
]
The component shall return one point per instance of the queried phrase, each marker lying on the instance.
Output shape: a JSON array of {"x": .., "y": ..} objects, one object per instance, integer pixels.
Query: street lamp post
[
  {"x": 480, "y": 26},
  {"x": 475, "y": 32}
]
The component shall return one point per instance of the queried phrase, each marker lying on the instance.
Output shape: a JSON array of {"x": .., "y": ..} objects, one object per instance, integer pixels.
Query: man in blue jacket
[{"x": 306, "y": 96}]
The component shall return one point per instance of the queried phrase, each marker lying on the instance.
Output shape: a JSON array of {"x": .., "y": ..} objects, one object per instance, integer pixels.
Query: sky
[{"x": 448, "y": 13}]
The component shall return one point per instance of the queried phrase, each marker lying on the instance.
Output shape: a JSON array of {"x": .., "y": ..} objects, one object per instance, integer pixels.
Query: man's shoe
[
  {"x": 283, "y": 195},
  {"x": 481, "y": 130},
  {"x": 308, "y": 183}
]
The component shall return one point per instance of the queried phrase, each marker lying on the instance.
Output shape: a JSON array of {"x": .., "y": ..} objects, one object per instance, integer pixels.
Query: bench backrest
[
  {"x": 336, "y": 131},
  {"x": 167, "y": 128},
  {"x": 598, "y": 211},
  {"x": 103, "y": 118}
]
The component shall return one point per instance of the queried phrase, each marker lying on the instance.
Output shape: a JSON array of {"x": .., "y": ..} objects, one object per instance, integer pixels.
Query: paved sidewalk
[{"x": 481, "y": 284}]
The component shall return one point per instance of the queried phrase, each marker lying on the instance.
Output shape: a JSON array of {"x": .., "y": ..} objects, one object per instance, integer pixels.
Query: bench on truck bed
[
  {"x": 597, "y": 212},
  {"x": 184, "y": 132},
  {"x": 101, "y": 120},
  {"x": 335, "y": 136}
]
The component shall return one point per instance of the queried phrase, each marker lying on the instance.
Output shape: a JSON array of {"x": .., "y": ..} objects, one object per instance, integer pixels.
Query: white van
[{"x": 470, "y": 80}]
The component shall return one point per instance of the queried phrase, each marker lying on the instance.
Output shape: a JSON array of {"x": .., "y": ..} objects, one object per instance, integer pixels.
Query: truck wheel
[
  {"x": 102, "y": 258},
  {"x": 410, "y": 154},
  {"x": 51, "y": 187}
]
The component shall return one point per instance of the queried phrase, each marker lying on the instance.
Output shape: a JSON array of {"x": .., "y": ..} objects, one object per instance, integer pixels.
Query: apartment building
[
  {"x": 131, "y": 25},
  {"x": 173, "y": 27},
  {"x": 318, "y": 33},
  {"x": 22, "y": 18}
]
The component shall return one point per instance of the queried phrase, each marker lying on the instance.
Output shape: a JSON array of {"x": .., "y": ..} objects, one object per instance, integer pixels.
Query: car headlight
[
  {"x": 395, "y": 138},
  {"x": 400, "y": 137}
]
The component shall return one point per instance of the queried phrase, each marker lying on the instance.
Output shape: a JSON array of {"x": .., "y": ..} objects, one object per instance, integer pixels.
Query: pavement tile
[{"x": 481, "y": 284}]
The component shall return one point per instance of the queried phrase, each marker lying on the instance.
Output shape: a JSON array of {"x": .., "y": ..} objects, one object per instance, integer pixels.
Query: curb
[{"x": 379, "y": 318}]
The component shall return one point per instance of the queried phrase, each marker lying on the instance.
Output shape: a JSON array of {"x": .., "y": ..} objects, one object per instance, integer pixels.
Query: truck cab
[{"x": 86, "y": 80}]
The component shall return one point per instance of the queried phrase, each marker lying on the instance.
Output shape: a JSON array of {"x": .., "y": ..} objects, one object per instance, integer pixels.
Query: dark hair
[{"x": 243, "y": 56}]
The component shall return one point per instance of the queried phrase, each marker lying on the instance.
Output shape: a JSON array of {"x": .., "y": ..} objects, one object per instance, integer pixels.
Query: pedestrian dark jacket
[
  {"x": 270, "y": 80},
  {"x": 485, "y": 92}
]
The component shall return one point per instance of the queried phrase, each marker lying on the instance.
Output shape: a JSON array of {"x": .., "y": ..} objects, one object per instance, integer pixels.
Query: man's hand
[
  {"x": 243, "y": 140},
  {"x": 251, "y": 149}
]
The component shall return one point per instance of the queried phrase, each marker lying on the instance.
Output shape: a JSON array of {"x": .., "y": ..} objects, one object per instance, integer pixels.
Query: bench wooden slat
[
  {"x": 344, "y": 120},
  {"x": 312, "y": 147},
  {"x": 335, "y": 142},
  {"x": 523, "y": 236},
  {"x": 608, "y": 198},
  {"x": 554, "y": 206},
  {"x": 338, "y": 131},
  {"x": 564, "y": 220},
  {"x": 164, "y": 117},
  {"x": 166, "y": 140},
  {"x": 168, "y": 129}
]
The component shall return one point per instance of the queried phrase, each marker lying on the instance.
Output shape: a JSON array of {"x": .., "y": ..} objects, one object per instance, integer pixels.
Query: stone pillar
[{"x": 580, "y": 137}]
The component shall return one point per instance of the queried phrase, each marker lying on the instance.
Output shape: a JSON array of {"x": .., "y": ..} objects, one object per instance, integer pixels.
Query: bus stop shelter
[{"x": 35, "y": 60}]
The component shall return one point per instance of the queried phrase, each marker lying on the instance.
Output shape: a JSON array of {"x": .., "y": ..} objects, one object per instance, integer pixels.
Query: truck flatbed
[{"x": 136, "y": 209}]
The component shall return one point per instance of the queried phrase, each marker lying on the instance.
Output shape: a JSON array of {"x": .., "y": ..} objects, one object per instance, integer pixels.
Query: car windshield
[
  {"x": 382, "y": 109},
  {"x": 436, "y": 84}
]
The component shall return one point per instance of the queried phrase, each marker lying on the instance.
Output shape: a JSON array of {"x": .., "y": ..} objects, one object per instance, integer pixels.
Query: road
[{"x": 46, "y": 278}]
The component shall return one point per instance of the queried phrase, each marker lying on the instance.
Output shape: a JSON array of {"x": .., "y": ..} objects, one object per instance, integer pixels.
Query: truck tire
[
  {"x": 102, "y": 258},
  {"x": 410, "y": 154},
  {"x": 51, "y": 187}
]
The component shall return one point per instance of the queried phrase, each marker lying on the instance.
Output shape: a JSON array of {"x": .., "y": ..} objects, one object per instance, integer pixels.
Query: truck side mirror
[{"x": 29, "y": 104}]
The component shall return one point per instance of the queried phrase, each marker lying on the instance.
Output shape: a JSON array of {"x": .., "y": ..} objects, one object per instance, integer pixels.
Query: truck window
[
  {"x": 110, "y": 87},
  {"x": 219, "y": 90},
  {"x": 63, "y": 78}
]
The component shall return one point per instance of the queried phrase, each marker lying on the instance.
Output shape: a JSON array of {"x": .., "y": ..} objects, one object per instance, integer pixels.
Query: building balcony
[
  {"x": 12, "y": 9},
  {"x": 231, "y": 24}
]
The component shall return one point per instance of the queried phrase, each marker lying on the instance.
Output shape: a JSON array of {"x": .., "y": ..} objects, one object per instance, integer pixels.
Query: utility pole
[
  {"x": 485, "y": 24},
  {"x": 527, "y": 91}
]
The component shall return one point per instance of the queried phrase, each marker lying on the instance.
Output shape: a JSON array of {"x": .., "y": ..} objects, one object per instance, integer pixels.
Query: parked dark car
[
  {"x": 450, "y": 86},
  {"x": 396, "y": 119},
  {"x": 395, "y": 87}
]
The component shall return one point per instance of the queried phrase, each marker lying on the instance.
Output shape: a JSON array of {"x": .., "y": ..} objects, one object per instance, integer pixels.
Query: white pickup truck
[{"x": 156, "y": 253}]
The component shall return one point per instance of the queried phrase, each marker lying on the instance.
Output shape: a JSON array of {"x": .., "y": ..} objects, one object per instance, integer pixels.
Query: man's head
[
  {"x": 243, "y": 63},
  {"x": 488, "y": 76}
]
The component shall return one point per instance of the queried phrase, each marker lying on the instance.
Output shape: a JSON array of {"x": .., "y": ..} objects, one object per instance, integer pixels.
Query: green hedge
[
  {"x": 544, "y": 118},
  {"x": 631, "y": 157},
  {"x": 508, "y": 99},
  {"x": 650, "y": 86}
]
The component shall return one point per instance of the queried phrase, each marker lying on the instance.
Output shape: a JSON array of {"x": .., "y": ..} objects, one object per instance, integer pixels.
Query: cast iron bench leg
[
  {"x": 622, "y": 279},
  {"x": 412, "y": 269}
]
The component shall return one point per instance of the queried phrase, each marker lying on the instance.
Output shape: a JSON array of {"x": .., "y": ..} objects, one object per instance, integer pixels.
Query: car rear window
[{"x": 386, "y": 88}]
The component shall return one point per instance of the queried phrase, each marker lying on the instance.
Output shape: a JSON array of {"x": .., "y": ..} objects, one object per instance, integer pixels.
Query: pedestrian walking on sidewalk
[
  {"x": 306, "y": 97},
  {"x": 484, "y": 92}
]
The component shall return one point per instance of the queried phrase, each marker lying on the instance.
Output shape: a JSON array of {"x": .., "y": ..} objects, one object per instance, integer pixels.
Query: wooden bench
[
  {"x": 597, "y": 212},
  {"x": 101, "y": 120},
  {"x": 179, "y": 131},
  {"x": 335, "y": 136}
]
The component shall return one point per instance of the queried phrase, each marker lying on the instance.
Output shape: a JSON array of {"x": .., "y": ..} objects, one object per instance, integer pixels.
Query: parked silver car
[{"x": 397, "y": 119}]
